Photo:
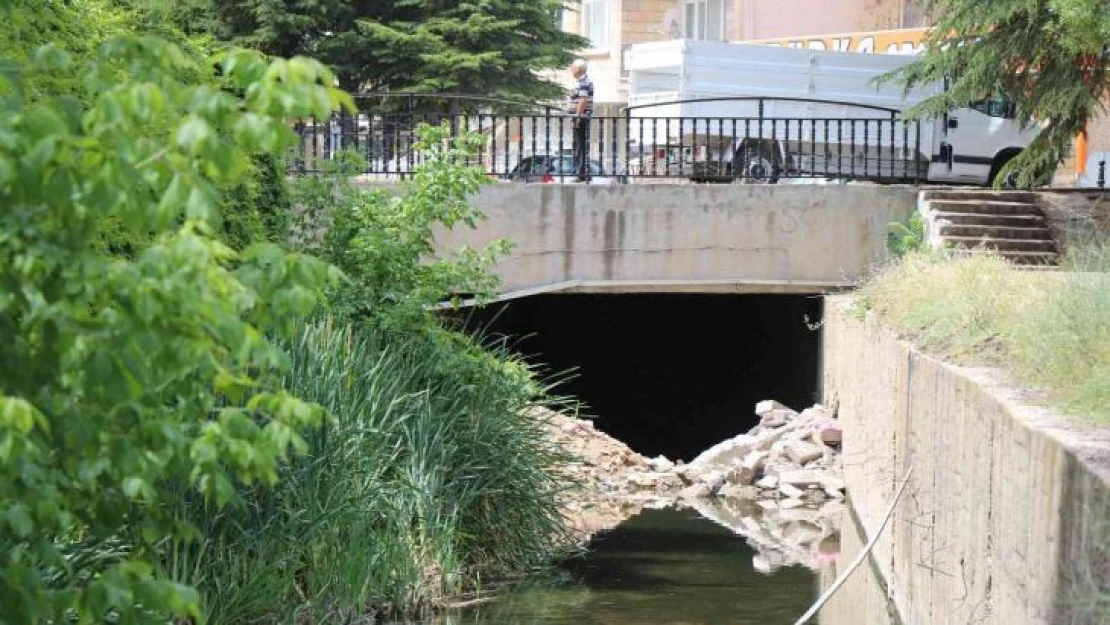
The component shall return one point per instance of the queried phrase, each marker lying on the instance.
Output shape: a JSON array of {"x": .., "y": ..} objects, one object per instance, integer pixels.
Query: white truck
[{"x": 761, "y": 112}]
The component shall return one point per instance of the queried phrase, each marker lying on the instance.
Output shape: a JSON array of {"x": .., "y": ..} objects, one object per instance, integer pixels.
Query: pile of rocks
[
  {"x": 789, "y": 461},
  {"x": 790, "y": 457},
  {"x": 609, "y": 482}
]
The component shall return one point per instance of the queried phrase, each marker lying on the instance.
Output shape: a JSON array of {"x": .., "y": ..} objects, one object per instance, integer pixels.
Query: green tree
[
  {"x": 78, "y": 27},
  {"x": 384, "y": 241},
  {"x": 487, "y": 47},
  {"x": 127, "y": 378},
  {"x": 1049, "y": 56}
]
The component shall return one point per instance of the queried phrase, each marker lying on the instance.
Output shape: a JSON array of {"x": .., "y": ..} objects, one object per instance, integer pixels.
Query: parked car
[{"x": 547, "y": 168}]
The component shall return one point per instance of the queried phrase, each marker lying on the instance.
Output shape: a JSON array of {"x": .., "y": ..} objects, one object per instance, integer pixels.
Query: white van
[{"x": 771, "y": 111}]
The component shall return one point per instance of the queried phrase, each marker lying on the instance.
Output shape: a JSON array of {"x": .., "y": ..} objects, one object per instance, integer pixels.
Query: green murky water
[{"x": 661, "y": 567}]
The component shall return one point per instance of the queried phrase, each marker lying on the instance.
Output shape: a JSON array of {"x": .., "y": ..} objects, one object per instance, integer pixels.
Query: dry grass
[{"x": 1050, "y": 329}]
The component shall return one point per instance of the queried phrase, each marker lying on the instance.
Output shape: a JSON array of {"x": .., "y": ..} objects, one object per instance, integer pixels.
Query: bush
[
  {"x": 427, "y": 482},
  {"x": 127, "y": 380},
  {"x": 383, "y": 241},
  {"x": 259, "y": 208},
  {"x": 160, "y": 382},
  {"x": 908, "y": 237}
]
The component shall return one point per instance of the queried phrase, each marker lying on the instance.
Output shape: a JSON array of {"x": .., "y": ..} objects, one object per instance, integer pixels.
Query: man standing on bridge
[{"x": 582, "y": 108}]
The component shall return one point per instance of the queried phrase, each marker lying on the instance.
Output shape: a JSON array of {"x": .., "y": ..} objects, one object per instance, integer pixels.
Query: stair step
[
  {"x": 1024, "y": 197},
  {"x": 986, "y": 219},
  {"x": 993, "y": 232},
  {"x": 993, "y": 207},
  {"x": 1002, "y": 245},
  {"x": 1028, "y": 260}
]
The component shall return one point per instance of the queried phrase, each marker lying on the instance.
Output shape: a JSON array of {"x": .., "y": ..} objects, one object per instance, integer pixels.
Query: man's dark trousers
[{"x": 582, "y": 148}]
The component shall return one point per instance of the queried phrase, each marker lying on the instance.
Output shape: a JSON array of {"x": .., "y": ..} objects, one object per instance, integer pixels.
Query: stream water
[{"x": 661, "y": 567}]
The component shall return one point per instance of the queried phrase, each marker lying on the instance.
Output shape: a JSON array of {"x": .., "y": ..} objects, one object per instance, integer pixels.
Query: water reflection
[
  {"x": 661, "y": 567},
  {"x": 862, "y": 599}
]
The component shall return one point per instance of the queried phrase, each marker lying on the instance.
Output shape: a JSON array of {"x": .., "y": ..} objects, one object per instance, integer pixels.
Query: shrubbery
[
  {"x": 428, "y": 479},
  {"x": 126, "y": 379},
  {"x": 181, "y": 435}
]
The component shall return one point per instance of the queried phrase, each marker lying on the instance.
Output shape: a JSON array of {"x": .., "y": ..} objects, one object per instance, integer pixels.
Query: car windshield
[
  {"x": 566, "y": 166},
  {"x": 550, "y": 165},
  {"x": 530, "y": 165}
]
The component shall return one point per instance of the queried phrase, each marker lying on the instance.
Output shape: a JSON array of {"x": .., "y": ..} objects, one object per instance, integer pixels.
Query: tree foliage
[
  {"x": 126, "y": 378},
  {"x": 486, "y": 47},
  {"x": 384, "y": 241},
  {"x": 1049, "y": 56},
  {"x": 77, "y": 27}
]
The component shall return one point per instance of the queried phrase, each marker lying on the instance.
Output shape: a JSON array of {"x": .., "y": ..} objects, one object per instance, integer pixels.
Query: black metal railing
[{"x": 750, "y": 140}]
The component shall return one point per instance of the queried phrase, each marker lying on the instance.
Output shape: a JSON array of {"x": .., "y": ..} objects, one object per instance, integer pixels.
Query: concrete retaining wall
[
  {"x": 1007, "y": 515},
  {"x": 697, "y": 238}
]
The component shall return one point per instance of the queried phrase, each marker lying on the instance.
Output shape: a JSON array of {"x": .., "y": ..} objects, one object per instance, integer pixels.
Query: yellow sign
[{"x": 903, "y": 41}]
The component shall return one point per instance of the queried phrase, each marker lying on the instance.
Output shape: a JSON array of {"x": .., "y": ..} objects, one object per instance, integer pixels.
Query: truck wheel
[
  {"x": 1000, "y": 162},
  {"x": 757, "y": 167},
  {"x": 1040, "y": 177}
]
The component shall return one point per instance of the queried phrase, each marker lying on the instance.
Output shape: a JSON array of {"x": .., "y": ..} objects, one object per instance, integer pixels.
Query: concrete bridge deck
[{"x": 685, "y": 238}]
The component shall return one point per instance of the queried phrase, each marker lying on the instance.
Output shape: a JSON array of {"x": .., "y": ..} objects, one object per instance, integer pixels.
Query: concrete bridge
[{"x": 685, "y": 238}]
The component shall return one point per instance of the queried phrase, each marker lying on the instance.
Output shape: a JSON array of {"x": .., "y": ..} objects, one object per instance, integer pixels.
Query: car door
[
  {"x": 974, "y": 136},
  {"x": 523, "y": 171}
]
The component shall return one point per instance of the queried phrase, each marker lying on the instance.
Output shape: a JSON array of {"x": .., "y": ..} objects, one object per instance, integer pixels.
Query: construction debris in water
[{"x": 780, "y": 484}]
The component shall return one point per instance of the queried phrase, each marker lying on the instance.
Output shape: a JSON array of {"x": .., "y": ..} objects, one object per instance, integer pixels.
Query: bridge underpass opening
[{"x": 668, "y": 374}]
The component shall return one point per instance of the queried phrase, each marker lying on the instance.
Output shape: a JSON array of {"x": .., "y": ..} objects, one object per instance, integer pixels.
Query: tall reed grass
[
  {"x": 1050, "y": 329},
  {"x": 427, "y": 483}
]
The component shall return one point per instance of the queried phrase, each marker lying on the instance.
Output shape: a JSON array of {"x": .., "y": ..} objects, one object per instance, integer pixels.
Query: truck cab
[{"x": 974, "y": 143}]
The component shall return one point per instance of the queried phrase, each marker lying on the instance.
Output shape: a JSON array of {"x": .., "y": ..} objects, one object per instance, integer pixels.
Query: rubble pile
[
  {"x": 790, "y": 457},
  {"x": 607, "y": 481},
  {"x": 779, "y": 485}
]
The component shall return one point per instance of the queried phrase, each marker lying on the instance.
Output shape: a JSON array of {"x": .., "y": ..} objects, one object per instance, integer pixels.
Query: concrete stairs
[{"x": 1007, "y": 222}]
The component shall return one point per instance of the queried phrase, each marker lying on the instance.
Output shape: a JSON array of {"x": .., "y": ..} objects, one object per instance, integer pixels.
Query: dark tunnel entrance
[{"x": 668, "y": 374}]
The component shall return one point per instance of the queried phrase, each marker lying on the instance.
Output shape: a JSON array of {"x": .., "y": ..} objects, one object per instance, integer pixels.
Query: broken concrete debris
[
  {"x": 787, "y": 448},
  {"x": 779, "y": 484}
]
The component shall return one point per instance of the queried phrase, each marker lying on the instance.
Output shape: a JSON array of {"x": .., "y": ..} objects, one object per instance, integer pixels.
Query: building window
[
  {"x": 595, "y": 23},
  {"x": 705, "y": 19}
]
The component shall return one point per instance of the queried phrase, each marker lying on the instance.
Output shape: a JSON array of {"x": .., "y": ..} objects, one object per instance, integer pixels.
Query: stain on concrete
[
  {"x": 790, "y": 221},
  {"x": 546, "y": 197},
  {"x": 566, "y": 193},
  {"x": 611, "y": 238}
]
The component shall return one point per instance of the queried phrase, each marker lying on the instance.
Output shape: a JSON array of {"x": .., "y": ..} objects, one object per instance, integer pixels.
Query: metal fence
[{"x": 754, "y": 140}]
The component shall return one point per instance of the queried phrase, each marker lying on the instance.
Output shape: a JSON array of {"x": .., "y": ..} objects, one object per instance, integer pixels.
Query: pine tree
[
  {"x": 485, "y": 47},
  {"x": 1049, "y": 56}
]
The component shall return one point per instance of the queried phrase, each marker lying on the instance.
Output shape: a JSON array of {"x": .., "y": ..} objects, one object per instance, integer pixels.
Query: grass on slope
[{"x": 1050, "y": 329}]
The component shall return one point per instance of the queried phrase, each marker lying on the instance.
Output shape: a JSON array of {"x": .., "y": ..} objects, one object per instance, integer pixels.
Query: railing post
[
  {"x": 759, "y": 146},
  {"x": 628, "y": 144},
  {"x": 917, "y": 153}
]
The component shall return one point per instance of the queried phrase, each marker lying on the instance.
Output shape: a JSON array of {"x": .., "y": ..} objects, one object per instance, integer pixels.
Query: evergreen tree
[
  {"x": 1049, "y": 56},
  {"x": 486, "y": 47}
]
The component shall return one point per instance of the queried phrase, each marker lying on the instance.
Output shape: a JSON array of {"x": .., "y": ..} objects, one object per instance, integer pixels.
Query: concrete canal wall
[{"x": 1006, "y": 518}]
